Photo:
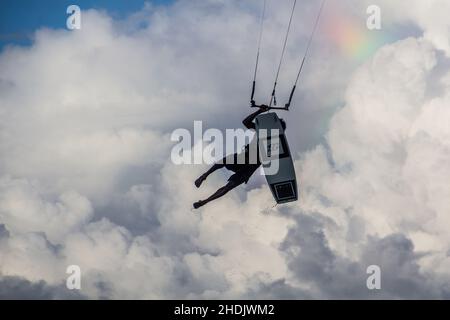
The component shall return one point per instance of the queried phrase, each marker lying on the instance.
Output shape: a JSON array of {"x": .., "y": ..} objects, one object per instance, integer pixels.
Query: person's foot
[
  {"x": 198, "y": 204},
  {"x": 199, "y": 181}
]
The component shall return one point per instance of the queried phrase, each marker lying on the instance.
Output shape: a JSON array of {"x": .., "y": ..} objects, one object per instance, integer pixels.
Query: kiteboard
[{"x": 276, "y": 158}]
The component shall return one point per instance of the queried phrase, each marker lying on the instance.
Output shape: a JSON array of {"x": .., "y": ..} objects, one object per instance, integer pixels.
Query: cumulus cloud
[
  {"x": 381, "y": 176},
  {"x": 21, "y": 289},
  {"x": 86, "y": 176}
]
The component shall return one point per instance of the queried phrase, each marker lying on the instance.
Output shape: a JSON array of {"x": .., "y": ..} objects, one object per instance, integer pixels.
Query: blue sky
[{"x": 19, "y": 18}]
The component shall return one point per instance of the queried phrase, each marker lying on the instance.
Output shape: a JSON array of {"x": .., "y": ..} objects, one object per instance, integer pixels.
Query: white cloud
[
  {"x": 86, "y": 177},
  {"x": 386, "y": 171},
  {"x": 23, "y": 209}
]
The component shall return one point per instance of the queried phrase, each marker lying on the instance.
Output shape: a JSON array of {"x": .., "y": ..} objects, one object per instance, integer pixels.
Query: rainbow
[{"x": 351, "y": 35}]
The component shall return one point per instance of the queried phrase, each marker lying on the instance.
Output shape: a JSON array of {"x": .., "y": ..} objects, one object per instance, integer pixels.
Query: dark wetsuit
[
  {"x": 243, "y": 164},
  {"x": 244, "y": 169}
]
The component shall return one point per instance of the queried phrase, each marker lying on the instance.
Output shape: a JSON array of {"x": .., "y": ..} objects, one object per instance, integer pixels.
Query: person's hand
[{"x": 264, "y": 108}]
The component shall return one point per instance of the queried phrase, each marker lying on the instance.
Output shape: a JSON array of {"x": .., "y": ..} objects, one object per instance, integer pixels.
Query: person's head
[{"x": 283, "y": 124}]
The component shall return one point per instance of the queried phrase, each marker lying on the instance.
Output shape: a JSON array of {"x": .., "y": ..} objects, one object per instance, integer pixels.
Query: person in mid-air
[{"x": 242, "y": 171}]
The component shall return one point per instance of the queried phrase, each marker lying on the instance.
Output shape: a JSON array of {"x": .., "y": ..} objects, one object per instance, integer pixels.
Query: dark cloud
[
  {"x": 328, "y": 275},
  {"x": 4, "y": 233},
  {"x": 279, "y": 289},
  {"x": 22, "y": 289}
]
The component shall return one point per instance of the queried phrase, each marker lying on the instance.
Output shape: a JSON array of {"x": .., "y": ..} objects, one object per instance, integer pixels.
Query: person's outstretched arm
[{"x": 248, "y": 122}]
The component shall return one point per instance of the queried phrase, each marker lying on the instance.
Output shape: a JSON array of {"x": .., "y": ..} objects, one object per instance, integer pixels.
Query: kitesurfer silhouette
[{"x": 242, "y": 171}]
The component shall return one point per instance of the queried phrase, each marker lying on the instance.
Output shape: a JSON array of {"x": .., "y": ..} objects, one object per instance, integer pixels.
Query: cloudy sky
[{"x": 86, "y": 177}]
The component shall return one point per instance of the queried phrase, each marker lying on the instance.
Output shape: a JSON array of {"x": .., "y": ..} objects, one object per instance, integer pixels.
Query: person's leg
[
  {"x": 219, "y": 193},
  {"x": 203, "y": 177},
  {"x": 216, "y": 166}
]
